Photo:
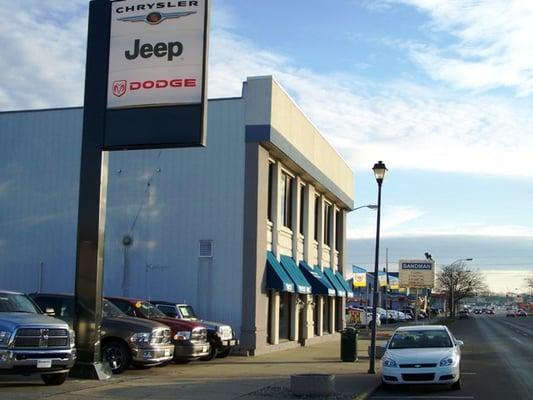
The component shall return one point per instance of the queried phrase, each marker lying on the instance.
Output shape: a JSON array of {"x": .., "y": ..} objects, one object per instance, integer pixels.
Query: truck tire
[
  {"x": 117, "y": 355},
  {"x": 54, "y": 379},
  {"x": 224, "y": 353}
]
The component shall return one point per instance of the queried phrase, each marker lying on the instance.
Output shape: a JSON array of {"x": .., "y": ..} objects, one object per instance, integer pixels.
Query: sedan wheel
[
  {"x": 457, "y": 385},
  {"x": 117, "y": 356}
]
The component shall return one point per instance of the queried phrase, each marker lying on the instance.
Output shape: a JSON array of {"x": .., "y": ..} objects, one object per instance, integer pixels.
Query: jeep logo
[{"x": 161, "y": 49}]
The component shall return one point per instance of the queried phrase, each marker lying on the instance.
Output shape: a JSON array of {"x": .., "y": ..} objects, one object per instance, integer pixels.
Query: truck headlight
[
  {"x": 72, "y": 337},
  {"x": 4, "y": 338},
  {"x": 182, "y": 335},
  {"x": 141, "y": 337}
]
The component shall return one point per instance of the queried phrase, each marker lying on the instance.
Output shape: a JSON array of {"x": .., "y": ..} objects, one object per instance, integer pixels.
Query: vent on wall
[{"x": 206, "y": 248}]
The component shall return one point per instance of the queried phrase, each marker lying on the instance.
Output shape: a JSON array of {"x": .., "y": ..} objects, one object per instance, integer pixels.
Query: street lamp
[
  {"x": 371, "y": 206},
  {"x": 452, "y": 288},
  {"x": 379, "y": 173}
]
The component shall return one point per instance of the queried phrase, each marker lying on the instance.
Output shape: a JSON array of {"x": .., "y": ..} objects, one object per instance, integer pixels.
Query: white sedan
[{"x": 424, "y": 354}]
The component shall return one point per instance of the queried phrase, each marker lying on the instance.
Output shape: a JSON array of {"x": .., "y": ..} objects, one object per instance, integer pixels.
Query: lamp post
[
  {"x": 453, "y": 284},
  {"x": 379, "y": 173},
  {"x": 371, "y": 206}
]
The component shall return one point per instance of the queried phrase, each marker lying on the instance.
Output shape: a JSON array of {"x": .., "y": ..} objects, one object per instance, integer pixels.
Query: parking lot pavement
[{"x": 246, "y": 378}]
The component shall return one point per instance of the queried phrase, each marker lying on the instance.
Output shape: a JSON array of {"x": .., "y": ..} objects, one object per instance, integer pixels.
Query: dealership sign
[
  {"x": 156, "y": 53},
  {"x": 417, "y": 273}
]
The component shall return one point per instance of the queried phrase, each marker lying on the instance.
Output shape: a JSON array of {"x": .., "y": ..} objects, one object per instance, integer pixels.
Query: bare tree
[
  {"x": 529, "y": 282},
  {"x": 459, "y": 283}
]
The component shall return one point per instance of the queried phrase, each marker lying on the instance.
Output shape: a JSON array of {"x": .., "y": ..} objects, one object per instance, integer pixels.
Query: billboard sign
[
  {"x": 156, "y": 53},
  {"x": 382, "y": 279},
  {"x": 417, "y": 273},
  {"x": 394, "y": 283}
]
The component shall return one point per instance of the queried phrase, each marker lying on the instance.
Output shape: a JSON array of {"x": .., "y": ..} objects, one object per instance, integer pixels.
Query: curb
[{"x": 366, "y": 395}]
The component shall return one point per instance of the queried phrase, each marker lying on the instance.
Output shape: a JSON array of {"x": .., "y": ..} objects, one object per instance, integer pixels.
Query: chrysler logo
[
  {"x": 156, "y": 17},
  {"x": 417, "y": 365}
]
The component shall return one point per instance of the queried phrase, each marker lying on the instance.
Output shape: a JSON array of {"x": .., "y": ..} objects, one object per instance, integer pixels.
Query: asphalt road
[{"x": 497, "y": 362}]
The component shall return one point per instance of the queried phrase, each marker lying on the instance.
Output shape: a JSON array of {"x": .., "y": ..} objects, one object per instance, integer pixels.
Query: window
[
  {"x": 206, "y": 248},
  {"x": 302, "y": 209},
  {"x": 338, "y": 230},
  {"x": 286, "y": 200},
  {"x": 317, "y": 215},
  {"x": 327, "y": 224},
  {"x": 270, "y": 212}
]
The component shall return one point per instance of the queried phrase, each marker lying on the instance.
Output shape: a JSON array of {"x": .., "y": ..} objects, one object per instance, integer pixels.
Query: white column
[
  {"x": 296, "y": 187},
  {"x": 320, "y": 315},
  {"x": 274, "y": 318},
  {"x": 309, "y": 324},
  {"x": 294, "y": 328},
  {"x": 276, "y": 207},
  {"x": 332, "y": 315}
]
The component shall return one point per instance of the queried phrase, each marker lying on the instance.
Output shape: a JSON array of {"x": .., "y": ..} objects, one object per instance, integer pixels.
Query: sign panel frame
[
  {"x": 153, "y": 124},
  {"x": 417, "y": 274}
]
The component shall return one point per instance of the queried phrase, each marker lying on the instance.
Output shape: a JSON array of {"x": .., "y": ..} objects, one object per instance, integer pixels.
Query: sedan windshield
[
  {"x": 17, "y": 303},
  {"x": 420, "y": 339}
]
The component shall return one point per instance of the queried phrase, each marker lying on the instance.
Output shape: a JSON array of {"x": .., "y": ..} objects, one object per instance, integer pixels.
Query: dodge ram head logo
[
  {"x": 156, "y": 17},
  {"x": 119, "y": 88}
]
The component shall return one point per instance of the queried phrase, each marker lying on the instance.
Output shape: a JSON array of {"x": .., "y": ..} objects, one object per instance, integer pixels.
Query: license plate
[
  {"x": 44, "y": 363},
  {"x": 204, "y": 349},
  {"x": 167, "y": 353}
]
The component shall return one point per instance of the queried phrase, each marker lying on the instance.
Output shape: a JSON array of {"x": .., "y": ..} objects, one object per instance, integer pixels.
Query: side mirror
[
  {"x": 50, "y": 312},
  {"x": 459, "y": 343}
]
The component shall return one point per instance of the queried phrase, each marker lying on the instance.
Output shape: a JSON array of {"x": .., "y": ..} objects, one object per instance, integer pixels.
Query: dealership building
[{"x": 250, "y": 230}]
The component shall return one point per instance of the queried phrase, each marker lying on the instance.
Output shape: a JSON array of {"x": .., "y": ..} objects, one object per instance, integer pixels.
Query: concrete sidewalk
[{"x": 245, "y": 378}]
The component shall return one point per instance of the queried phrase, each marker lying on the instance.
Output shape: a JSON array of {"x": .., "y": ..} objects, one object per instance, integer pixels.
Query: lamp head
[{"x": 379, "y": 171}]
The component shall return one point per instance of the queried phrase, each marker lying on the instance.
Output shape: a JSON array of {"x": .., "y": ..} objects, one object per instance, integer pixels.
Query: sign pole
[{"x": 92, "y": 199}]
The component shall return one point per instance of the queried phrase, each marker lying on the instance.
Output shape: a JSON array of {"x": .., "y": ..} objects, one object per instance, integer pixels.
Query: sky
[{"x": 441, "y": 91}]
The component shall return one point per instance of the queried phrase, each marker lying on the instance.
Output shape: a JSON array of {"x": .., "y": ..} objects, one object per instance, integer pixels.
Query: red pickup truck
[{"x": 189, "y": 337}]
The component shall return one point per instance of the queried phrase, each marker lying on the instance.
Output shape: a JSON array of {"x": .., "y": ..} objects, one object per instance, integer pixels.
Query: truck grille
[
  {"x": 41, "y": 338},
  {"x": 199, "y": 335}
]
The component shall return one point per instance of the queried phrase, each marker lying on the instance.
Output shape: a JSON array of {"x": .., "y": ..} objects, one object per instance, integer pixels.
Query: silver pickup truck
[{"x": 33, "y": 343}]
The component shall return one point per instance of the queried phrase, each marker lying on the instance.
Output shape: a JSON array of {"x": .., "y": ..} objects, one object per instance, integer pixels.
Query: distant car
[
  {"x": 463, "y": 314},
  {"x": 490, "y": 311},
  {"x": 510, "y": 313},
  {"x": 477, "y": 311},
  {"x": 422, "y": 354},
  {"x": 521, "y": 313}
]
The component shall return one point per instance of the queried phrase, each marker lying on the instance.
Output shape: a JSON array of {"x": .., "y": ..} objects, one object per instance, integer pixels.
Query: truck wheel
[
  {"x": 117, "y": 355},
  {"x": 54, "y": 379},
  {"x": 224, "y": 353},
  {"x": 212, "y": 352}
]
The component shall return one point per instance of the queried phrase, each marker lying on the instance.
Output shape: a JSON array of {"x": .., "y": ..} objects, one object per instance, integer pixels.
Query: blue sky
[{"x": 441, "y": 91}]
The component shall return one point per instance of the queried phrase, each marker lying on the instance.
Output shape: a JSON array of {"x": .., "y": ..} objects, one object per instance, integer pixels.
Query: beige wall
[{"x": 268, "y": 104}]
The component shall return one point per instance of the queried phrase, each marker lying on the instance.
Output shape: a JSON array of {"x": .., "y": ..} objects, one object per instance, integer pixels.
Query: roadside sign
[{"x": 417, "y": 274}]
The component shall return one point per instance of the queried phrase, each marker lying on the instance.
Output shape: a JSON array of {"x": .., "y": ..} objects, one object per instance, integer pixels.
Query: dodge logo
[{"x": 119, "y": 88}]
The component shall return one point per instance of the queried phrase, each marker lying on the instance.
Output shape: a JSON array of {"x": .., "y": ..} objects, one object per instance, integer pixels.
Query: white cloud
[
  {"x": 394, "y": 218},
  {"x": 409, "y": 126},
  {"x": 493, "y": 43},
  {"x": 43, "y": 53}
]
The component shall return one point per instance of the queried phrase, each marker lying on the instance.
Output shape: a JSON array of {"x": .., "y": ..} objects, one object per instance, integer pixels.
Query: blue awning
[
  {"x": 302, "y": 286},
  {"x": 276, "y": 277},
  {"x": 341, "y": 292},
  {"x": 345, "y": 285},
  {"x": 319, "y": 283}
]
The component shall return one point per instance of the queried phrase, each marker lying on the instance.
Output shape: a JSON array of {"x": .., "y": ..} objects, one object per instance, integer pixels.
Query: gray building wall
[{"x": 150, "y": 198}]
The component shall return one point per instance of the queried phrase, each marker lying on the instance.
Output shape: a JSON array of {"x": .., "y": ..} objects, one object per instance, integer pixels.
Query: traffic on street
[{"x": 497, "y": 360}]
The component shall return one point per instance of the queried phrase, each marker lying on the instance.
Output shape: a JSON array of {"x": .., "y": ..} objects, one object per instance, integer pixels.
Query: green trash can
[{"x": 349, "y": 344}]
